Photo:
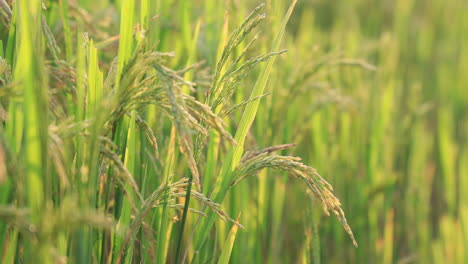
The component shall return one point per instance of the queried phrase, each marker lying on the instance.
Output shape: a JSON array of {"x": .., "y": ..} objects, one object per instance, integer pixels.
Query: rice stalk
[{"x": 320, "y": 188}]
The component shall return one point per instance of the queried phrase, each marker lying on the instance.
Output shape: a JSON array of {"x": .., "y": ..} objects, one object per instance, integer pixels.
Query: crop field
[{"x": 233, "y": 131}]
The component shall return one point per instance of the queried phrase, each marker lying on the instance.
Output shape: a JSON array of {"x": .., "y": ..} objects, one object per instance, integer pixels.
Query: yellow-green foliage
[{"x": 133, "y": 131}]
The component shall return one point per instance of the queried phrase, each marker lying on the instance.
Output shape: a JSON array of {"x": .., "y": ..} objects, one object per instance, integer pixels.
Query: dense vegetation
[{"x": 209, "y": 131}]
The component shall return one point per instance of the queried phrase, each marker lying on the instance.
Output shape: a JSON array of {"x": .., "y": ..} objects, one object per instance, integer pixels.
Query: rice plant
[{"x": 140, "y": 131}]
